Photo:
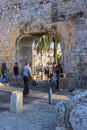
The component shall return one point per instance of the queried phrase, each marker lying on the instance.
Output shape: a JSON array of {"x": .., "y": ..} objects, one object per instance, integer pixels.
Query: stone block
[
  {"x": 60, "y": 128},
  {"x": 71, "y": 114},
  {"x": 16, "y": 102},
  {"x": 68, "y": 83}
]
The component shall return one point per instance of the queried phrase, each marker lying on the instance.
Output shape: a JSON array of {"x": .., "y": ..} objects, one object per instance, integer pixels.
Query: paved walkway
[{"x": 37, "y": 113}]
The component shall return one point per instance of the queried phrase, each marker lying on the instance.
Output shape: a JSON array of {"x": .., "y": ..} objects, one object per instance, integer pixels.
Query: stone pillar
[{"x": 16, "y": 102}]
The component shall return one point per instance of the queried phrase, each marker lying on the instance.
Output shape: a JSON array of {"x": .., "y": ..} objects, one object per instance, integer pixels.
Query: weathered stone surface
[
  {"x": 78, "y": 117},
  {"x": 72, "y": 114},
  {"x": 67, "y": 18},
  {"x": 63, "y": 109},
  {"x": 60, "y": 128},
  {"x": 80, "y": 98},
  {"x": 68, "y": 83},
  {"x": 16, "y": 102},
  {"x": 77, "y": 91}
]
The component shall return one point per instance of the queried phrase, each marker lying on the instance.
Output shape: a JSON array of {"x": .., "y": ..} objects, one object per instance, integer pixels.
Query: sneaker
[{"x": 7, "y": 84}]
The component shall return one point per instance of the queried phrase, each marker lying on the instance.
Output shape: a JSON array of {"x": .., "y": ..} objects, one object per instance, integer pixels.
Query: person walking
[
  {"x": 5, "y": 73},
  {"x": 16, "y": 73},
  {"x": 59, "y": 70},
  {"x": 0, "y": 75},
  {"x": 26, "y": 72},
  {"x": 57, "y": 80}
]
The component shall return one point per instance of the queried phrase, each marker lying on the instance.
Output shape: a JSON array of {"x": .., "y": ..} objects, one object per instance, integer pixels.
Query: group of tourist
[
  {"x": 4, "y": 73},
  {"x": 53, "y": 74},
  {"x": 25, "y": 72},
  {"x": 56, "y": 71}
]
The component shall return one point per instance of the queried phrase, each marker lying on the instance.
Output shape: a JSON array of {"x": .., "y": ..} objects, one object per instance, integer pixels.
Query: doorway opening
[{"x": 23, "y": 51}]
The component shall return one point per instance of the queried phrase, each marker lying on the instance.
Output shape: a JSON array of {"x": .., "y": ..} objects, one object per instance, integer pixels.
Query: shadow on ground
[{"x": 38, "y": 92}]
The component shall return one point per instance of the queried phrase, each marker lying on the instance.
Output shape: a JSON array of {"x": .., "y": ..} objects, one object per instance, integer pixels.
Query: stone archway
[
  {"x": 66, "y": 31},
  {"x": 63, "y": 28}
]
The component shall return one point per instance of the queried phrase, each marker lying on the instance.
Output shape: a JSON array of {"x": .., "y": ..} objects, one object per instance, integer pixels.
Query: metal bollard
[{"x": 50, "y": 95}]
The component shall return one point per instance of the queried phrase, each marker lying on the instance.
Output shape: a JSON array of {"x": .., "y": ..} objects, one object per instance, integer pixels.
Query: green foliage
[
  {"x": 43, "y": 43},
  {"x": 56, "y": 38}
]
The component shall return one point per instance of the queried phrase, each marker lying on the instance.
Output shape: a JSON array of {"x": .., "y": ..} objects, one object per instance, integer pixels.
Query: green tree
[{"x": 43, "y": 44}]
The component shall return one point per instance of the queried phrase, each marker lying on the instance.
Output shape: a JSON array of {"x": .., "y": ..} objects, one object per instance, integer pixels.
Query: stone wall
[
  {"x": 65, "y": 17},
  {"x": 71, "y": 113}
]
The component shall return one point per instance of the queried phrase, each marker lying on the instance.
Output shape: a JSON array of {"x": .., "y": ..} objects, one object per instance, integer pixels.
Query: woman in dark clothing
[{"x": 16, "y": 72}]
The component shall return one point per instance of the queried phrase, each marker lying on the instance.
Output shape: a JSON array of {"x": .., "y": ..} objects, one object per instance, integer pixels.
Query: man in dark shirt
[
  {"x": 16, "y": 72},
  {"x": 59, "y": 71}
]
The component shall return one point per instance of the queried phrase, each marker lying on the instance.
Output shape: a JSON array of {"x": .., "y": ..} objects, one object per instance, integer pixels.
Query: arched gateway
[{"x": 26, "y": 36}]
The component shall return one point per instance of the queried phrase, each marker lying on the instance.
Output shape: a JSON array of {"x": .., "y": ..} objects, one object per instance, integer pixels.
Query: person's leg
[
  {"x": 24, "y": 91},
  {"x": 2, "y": 79},
  {"x": 57, "y": 85},
  {"x": 50, "y": 78},
  {"x": 17, "y": 79},
  {"x": 6, "y": 78},
  {"x": 26, "y": 86},
  {"x": 14, "y": 79}
]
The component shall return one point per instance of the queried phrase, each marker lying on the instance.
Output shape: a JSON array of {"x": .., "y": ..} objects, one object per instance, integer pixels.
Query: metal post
[
  {"x": 34, "y": 64},
  {"x": 50, "y": 95},
  {"x": 41, "y": 66}
]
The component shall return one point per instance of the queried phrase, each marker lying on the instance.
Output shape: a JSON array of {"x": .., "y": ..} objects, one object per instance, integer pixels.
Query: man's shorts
[{"x": 16, "y": 77}]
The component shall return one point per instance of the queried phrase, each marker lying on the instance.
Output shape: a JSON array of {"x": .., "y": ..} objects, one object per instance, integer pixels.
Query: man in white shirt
[{"x": 26, "y": 71}]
